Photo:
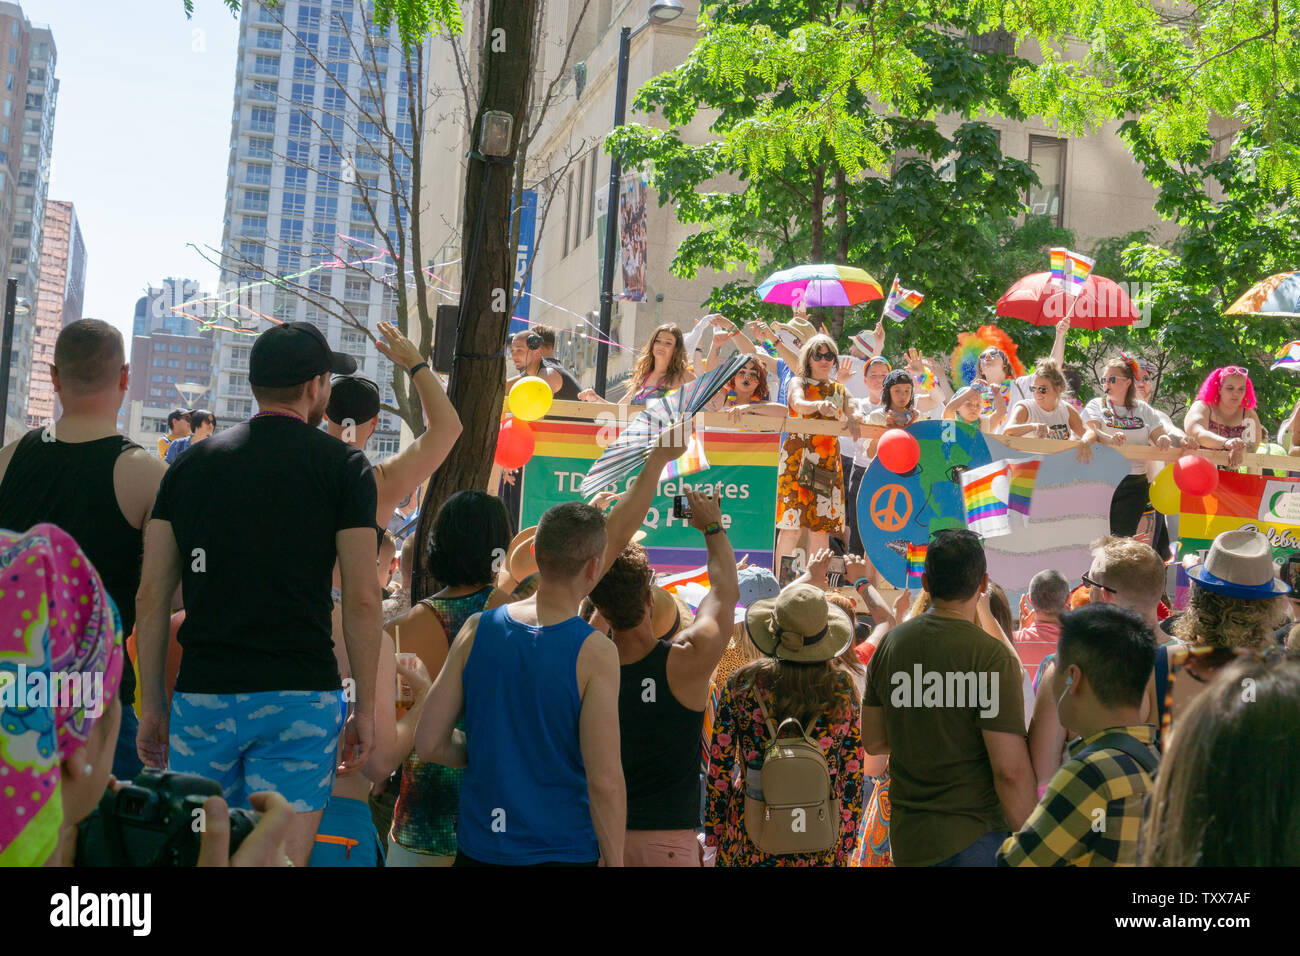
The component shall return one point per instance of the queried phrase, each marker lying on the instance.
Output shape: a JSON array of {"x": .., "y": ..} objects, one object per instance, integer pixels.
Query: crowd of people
[{"x": 552, "y": 704}]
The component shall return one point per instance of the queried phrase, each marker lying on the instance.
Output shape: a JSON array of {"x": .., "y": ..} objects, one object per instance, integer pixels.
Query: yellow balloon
[
  {"x": 531, "y": 398},
  {"x": 1165, "y": 496}
]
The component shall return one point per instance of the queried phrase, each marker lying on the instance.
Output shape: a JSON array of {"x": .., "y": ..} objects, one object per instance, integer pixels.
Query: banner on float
[
  {"x": 741, "y": 472},
  {"x": 1243, "y": 502},
  {"x": 1062, "y": 505}
]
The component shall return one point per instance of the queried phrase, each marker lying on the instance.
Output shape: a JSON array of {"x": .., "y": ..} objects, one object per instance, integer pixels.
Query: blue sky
[{"x": 141, "y": 138}]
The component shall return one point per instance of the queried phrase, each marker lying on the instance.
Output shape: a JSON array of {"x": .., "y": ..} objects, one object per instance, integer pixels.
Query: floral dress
[
  {"x": 739, "y": 736},
  {"x": 797, "y": 506}
]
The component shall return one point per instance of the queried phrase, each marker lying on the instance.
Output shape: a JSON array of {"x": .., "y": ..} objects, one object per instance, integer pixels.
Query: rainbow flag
[
  {"x": 1022, "y": 475},
  {"x": 900, "y": 302},
  {"x": 691, "y": 461},
  {"x": 915, "y": 560},
  {"x": 1069, "y": 270},
  {"x": 1288, "y": 356},
  {"x": 983, "y": 494}
]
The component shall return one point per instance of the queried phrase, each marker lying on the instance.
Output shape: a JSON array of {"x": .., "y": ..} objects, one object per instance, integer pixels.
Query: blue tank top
[{"x": 523, "y": 799}]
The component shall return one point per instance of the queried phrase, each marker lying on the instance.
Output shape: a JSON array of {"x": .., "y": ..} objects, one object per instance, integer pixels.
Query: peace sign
[{"x": 889, "y": 515}]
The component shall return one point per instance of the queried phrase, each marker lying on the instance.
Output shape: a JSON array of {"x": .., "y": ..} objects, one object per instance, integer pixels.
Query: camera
[
  {"x": 150, "y": 822},
  {"x": 681, "y": 507}
]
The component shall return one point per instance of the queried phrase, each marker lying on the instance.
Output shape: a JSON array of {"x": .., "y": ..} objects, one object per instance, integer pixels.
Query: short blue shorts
[
  {"x": 283, "y": 740},
  {"x": 347, "y": 836}
]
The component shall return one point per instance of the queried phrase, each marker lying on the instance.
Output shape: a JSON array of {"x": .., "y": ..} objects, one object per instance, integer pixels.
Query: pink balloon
[
  {"x": 1195, "y": 475},
  {"x": 898, "y": 451}
]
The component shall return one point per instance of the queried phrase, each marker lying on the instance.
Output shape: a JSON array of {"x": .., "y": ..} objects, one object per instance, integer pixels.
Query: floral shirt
[{"x": 740, "y": 736}]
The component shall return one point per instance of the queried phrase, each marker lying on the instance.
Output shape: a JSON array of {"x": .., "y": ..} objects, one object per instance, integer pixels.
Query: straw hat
[
  {"x": 859, "y": 605},
  {"x": 1240, "y": 565},
  {"x": 521, "y": 562},
  {"x": 802, "y": 329},
  {"x": 670, "y": 615},
  {"x": 798, "y": 626}
]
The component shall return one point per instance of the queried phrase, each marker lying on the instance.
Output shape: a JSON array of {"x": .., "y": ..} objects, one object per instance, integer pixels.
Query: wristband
[
  {"x": 712, "y": 528},
  {"x": 411, "y": 371},
  {"x": 859, "y": 582}
]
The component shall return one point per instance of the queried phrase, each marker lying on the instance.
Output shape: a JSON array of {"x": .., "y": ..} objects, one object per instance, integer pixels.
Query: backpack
[
  {"x": 1124, "y": 744},
  {"x": 795, "y": 810}
]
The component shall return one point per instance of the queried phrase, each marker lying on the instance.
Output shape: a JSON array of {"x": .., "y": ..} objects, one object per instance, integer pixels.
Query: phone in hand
[
  {"x": 681, "y": 507},
  {"x": 836, "y": 566},
  {"x": 1291, "y": 572}
]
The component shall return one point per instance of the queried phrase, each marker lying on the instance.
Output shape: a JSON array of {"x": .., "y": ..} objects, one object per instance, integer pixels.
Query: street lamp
[
  {"x": 13, "y": 306},
  {"x": 661, "y": 11}
]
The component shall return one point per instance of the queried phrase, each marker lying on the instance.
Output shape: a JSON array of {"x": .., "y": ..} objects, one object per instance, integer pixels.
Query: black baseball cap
[
  {"x": 294, "y": 353},
  {"x": 353, "y": 398}
]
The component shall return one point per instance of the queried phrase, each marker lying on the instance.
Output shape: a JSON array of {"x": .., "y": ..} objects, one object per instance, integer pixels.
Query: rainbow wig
[
  {"x": 1209, "y": 392},
  {"x": 965, "y": 367}
]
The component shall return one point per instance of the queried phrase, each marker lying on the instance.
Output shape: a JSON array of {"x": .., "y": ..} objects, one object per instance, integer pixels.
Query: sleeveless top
[
  {"x": 523, "y": 798},
  {"x": 424, "y": 820},
  {"x": 660, "y": 743},
  {"x": 1057, "y": 420},
  {"x": 570, "y": 388},
  {"x": 647, "y": 392},
  {"x": 1227, "y": 431},
  {"x": 70, "y": 484}
]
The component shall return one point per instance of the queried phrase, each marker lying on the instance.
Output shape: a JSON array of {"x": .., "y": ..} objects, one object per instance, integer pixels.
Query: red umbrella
[{"x": 1035, "y": 299}]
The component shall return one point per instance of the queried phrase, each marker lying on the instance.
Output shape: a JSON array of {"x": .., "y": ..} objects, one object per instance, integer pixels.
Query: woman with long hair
[
  {"x": 810, "y": 478},
  {"x": 661, "y": 367},
  {"x": 1119, "y": 417},
  {"x": 803, "y": 677},
  {"x": 1223, "y": 415},
  {"x": 746, "y": 393},
  {"x": 470, "y": 534},
  {"x": 1225, "y": 794}
]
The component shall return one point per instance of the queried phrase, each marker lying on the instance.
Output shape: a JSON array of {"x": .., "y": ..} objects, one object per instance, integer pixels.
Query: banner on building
[
  {"x": 741, "y": 474},
  {"x": 632, "y": 234},
  {"x": 523, "y": 256}
]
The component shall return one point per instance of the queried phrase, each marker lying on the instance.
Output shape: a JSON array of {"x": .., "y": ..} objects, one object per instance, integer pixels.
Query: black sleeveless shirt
[
  {"x": 70, "y": 484},
  {"x": 570, "y": 388},
  {"x": 660, "y": 743}
]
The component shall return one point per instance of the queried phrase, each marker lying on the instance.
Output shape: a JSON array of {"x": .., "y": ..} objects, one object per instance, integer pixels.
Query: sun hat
[
  {"x": 801, "y": 329},
  {"x": 1240, "y": 565},
  {"x": 798, "y": 626}
]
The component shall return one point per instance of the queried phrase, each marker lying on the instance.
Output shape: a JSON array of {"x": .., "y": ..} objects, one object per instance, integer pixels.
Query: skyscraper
[
  {"x": 58, "y": 302},
  {"x": 299, "y": 144},
  {"x": 27, "y": 101}
]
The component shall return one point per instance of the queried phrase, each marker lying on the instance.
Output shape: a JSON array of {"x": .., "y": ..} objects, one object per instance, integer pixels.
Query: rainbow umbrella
[
  {"x": 826, "y": 284},
  {"x": 1287, "y": 357},
  {"x": 1278, "y": 295}
]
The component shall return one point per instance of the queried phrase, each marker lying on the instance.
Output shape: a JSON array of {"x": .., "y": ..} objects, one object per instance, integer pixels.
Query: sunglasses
[
  {"x": 1039, "y": 389},
  {"x": 1112, "y": 379},
  {"x": 823, "y": 356},
  {"x": 1093, "y": 584},
  {"x": 1234, "y": 370}
]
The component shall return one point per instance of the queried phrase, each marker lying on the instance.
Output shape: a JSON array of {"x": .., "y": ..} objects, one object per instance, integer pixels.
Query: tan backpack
[{"x": 796, "y": 812}]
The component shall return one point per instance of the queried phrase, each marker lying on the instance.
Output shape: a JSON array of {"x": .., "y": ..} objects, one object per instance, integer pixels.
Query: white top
[
  {"x": 1136, "y": 422},
  {"x": 867, "y": 409},
  {"x": 1057, "y": 420},
  {"x": 856, "y": 386}
]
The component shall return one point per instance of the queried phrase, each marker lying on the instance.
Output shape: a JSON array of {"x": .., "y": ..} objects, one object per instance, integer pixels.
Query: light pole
[
  {"x": 12, "y": 307},
  {"x": 661, "y": 11}
]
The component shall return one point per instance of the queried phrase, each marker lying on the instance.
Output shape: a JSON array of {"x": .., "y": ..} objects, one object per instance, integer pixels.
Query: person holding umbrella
[{"x": 1223, "y": 415}]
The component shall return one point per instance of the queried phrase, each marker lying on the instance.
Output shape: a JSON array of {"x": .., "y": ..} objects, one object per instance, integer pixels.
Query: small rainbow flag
[
  {"x": 900, "y": 302},
  {"x": 1022, "y": 476},
  {"x": 986, "y": 509},
  {"x": 1069, "y": 270},
  {"x": 924, "y": 381},
  {"x": 915, "y": 560},
  {"x": 1288, "y": 356},
  {"x": 691, "y": 461}
]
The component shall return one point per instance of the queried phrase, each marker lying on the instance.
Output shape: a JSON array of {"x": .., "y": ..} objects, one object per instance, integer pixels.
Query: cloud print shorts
[{"x": 284, "y": 740}]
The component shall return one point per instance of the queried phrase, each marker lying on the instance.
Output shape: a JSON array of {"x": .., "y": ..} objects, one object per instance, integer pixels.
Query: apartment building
[{"x": 60, "y": 294}]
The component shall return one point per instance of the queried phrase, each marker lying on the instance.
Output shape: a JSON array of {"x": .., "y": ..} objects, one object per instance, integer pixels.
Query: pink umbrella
[{"x": 1035, "y": 299}]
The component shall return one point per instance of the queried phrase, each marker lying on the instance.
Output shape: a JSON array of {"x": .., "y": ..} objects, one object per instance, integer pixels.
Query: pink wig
[{"x": 1209, "y": 393}]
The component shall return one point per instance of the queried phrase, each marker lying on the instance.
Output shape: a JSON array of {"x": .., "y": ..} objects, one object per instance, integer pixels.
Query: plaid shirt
[{"x": 1091, "y": 811}]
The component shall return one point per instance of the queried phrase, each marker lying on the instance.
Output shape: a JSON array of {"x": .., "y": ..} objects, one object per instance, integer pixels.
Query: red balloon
[
  {"x": 515, "y": 443},
  {"x": 1195, "y": 475},
  {"x": 898, "y": 451}
]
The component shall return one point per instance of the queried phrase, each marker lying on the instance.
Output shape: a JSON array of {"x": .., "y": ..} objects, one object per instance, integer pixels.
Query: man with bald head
[{"x": 95, "y": 484}]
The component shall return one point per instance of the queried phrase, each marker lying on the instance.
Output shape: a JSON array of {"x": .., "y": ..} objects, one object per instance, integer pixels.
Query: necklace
[{"x": 281, "y": 415}]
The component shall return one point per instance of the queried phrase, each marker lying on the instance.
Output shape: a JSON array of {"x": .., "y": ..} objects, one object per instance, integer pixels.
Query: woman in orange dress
[{"x": 812, "y": 394}]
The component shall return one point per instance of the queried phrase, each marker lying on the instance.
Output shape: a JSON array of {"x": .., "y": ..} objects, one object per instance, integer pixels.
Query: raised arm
[
  {"x": 631, "y": 509},
  {"x": 706, "y": 639},
  {"x": 1058, "y": 344},
  {"x": 404, "y": 472}
]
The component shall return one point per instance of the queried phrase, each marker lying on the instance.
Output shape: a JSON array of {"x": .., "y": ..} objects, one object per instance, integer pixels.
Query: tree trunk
[
  {"x": 477, "y": 384},
  {"x": 842, "y": 241},
  {"x": 816, "y": 225}
]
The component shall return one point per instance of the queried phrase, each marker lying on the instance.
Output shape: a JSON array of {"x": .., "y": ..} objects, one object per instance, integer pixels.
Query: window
[
  {"x": 256, "y": 200},
  {"x": 174, "y": 348},
  {"x": 34, "y": 100},
  {"x": 32, "y": 126},
  {"x": 577, "y": 203},
  {"x": 174, "y": 363},
  {"x": 291, "y": 230},
  {"x": 240, "y": 410},
  {"x": 269, "y": 65},
  {"x": 591, "y": 202},
  {"x": 295, "y": 204},
  {"x": 22, "y": 230},
  {"x": 18, "y": 256},
  {"x": 257, "y": 173},
  {"x": 239, "y": 384},
  {"x": 36, "y": 75},
  {"x": 327, "y": 208},
  {"x": 4, "y": 134},
  {"x": 358, "y": 290},
  {"x": 295, "y": 178},
  {"x": 157, "y": 377},
  {"x": 303, "y": 93},
  {"x": 259, "y": 148},
  {"x": 568, "y": 215},
  {"x": 268, "y": 40},
  {"x": 335, "y": 99},
  {"x": 304, "y": 68},
  {"x": 191, "y": 350},
  {"x": 1047, "y": 157},
  {"x": 264, "y": 91},
  {"x": 352, "y": 342},
  {"x": 40, "y": 52},
  {"x": 9, "y": 108},
  {"x": 239, "y": 357},
  {"x": 9, "y": 82},
  {"x": 156, "y": 392},
  {"x": 262, "y": 120}
]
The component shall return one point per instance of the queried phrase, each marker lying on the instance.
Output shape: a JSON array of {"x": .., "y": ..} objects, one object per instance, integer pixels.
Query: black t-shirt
[{"x": 255, "y": 510}]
